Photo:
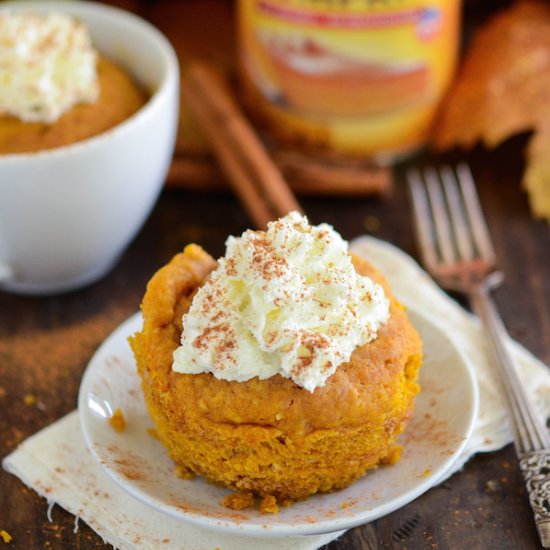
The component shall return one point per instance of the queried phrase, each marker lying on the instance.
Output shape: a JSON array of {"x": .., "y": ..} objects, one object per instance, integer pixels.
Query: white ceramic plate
[{"x": 445, "y": 412}]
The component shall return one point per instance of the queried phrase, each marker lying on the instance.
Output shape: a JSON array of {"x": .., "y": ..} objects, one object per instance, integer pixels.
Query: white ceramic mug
[{"x": 67, "y": 214}]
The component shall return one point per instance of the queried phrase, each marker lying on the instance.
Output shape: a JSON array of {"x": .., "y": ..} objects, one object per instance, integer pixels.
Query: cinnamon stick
[
  {"x": 251, "y": 172},
  {"x": 305, "y": 176},
  {"x": 344, "y": 178},
  {"x": 196, "y": 173},
  {"x": 249, "y": 195}
]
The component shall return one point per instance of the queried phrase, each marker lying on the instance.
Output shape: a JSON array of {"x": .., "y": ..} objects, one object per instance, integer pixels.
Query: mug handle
[{"x": 6, "y": 272}]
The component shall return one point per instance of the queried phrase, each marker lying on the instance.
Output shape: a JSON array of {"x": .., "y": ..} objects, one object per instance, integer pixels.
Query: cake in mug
[
  {"x": 55, "y": 89},
  {"x": 284, "y": 369}
]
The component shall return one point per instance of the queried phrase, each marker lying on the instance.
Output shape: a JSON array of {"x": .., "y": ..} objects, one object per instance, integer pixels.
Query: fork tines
[{"x": 445, "y": 201}]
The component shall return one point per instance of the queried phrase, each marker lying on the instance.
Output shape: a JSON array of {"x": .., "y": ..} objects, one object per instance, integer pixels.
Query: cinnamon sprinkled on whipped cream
[
  {"x": 285, "y": 301},
  {"x": 47, "y": 65}
]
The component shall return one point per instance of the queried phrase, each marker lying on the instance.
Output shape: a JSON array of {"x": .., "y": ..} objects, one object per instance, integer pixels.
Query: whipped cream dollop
[
  {"x": 47, "y": 65},
  {"x": 284, "y": 301}
]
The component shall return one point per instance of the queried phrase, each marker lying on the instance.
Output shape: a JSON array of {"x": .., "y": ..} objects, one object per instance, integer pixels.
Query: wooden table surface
[{"x": 46, "y": 342}]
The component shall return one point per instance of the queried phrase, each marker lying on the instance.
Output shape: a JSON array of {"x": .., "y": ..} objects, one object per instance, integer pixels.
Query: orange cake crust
[{"x": 271, "y": 436}]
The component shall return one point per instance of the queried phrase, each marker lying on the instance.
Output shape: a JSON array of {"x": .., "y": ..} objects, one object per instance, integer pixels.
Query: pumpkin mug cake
[
  {"x": 55, "y": 89},
  {"x": 284, "y": 369},
  {"x": 88, "y": 117}
]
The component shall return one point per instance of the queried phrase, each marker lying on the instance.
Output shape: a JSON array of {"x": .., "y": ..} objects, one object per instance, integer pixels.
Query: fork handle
[
  {"x": 534, "y": 467},
  {"x": 530, "y": 432},
  {"x": 531, "y": 438}
]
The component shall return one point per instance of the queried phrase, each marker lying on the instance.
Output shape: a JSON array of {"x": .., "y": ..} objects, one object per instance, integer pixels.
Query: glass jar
[{"x": 356, "y": 77}]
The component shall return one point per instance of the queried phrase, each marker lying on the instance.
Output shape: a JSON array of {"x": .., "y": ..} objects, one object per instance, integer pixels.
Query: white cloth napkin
[{"x": 56, "y": 464}]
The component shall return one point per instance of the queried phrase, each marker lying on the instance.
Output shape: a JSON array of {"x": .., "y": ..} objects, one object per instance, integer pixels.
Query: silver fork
[{"x": 457, "y": 251}]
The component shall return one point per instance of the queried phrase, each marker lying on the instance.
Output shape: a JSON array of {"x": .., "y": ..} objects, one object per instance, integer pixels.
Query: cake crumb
[
  {"x": 238, "y": 501},
  {"x": 117, "y": 421},
  {"x": 269, "y": 505},
  {"x": 393, "y": 456},
  {"x": 491, "y": 486},
  {"x": 183, "y": 473},
  {"x": 29, "y": 399},
  {"x": 5, "y": 536},
  {"x": 153, "y": 433}
]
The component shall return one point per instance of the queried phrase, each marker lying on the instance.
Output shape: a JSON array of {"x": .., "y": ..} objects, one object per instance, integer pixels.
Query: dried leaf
[
  {"x": 536, "y": 179},
  {"x": 503, "y": 89}
]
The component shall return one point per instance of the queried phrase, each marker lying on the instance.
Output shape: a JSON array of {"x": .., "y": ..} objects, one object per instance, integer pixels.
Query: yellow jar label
[{"x": 362, "y": 75}]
